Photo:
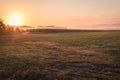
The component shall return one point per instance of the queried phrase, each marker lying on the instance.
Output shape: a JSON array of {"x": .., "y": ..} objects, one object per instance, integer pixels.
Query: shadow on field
[
  {"x": 74, "y": 70},
  {"x": 116, "y": 55}
]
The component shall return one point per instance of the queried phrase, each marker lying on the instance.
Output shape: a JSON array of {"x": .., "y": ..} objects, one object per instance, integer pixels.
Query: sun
[{"x": 15, "y": 20}]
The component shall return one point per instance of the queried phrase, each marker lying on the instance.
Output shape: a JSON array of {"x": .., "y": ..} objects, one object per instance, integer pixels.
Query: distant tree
[
  {"x": 9, "y": 30},
  {"x": 17, "y": 30},
  {"x": 2, "y": 27}
]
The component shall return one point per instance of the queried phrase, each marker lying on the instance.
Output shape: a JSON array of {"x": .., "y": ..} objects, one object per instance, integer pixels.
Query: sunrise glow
[
  {"x": 15, "y": 20},
  {"x": 72, "y": 14}
]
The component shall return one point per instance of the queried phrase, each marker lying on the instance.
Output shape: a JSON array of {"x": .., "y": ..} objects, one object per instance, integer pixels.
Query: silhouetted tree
[
  {"x": 2, "y": 27},
  {"x": 8, "y": 29},
  {"x": 17, "y": 30}
]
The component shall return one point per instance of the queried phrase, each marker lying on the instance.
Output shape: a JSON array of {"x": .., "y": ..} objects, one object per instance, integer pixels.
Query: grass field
[{"x": 60, "y": 56}]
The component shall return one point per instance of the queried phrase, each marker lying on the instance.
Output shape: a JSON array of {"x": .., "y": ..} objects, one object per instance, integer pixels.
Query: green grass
[{"x": 60, "y": 56}]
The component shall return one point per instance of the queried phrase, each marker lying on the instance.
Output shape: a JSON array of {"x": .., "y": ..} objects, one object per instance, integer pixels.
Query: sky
[{"x": 73, "y": 14}]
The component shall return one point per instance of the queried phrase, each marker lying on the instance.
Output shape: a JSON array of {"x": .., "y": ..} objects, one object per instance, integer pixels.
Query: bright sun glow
[{"x": 15, "y": 20}]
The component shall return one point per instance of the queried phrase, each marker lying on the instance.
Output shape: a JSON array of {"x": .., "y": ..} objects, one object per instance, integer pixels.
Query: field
[{"x": 60, "y": 56}]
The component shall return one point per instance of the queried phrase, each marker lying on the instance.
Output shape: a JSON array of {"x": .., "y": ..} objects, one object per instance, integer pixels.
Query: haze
[{"x": 72, "y": 14}]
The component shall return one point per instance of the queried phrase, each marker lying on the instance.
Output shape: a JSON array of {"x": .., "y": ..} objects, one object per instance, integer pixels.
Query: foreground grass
[{"x": 60, "y": 56}]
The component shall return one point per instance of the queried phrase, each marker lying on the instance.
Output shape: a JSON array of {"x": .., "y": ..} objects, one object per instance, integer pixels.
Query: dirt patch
[
  {"x": 82, "y": 65},
  {"x": 86, "y": 69}
]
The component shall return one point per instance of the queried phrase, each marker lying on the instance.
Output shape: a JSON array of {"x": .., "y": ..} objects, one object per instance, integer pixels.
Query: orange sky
[{"x": 80, "y": 14}]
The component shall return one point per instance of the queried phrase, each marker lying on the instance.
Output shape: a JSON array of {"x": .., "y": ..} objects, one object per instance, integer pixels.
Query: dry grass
[{"x": 60, "y": 56}]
